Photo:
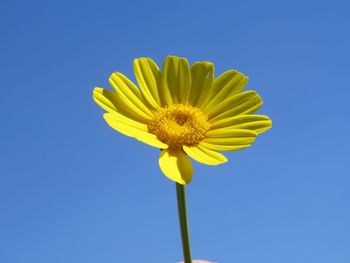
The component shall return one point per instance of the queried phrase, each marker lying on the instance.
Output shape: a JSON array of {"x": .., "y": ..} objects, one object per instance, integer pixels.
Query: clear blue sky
[{"x": 73, "y": 190}]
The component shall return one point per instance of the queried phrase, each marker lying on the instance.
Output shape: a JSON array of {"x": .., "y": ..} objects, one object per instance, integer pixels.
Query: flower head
[{"x": 184, "y": 111}]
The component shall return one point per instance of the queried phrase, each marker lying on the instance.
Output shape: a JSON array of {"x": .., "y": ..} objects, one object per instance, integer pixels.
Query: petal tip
[{"x": 176, "y": 165}]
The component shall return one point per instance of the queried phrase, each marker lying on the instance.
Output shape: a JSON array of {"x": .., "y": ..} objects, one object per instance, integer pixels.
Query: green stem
[{"x": 181, "y": 205}]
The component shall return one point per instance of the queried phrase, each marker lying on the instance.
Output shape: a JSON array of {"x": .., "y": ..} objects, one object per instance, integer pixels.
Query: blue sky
[{"x": 74, "y": 190}]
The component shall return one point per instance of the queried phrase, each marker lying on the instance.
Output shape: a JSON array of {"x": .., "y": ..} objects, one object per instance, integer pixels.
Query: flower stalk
[{"x": 181, "y": 205}]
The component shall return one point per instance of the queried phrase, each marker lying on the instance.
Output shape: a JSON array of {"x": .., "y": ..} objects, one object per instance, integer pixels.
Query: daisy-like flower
[{"x": 185, "y": 111}]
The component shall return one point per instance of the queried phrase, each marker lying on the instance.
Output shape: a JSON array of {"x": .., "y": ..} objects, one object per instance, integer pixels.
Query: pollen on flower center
[{"x": 179, "y": 125}]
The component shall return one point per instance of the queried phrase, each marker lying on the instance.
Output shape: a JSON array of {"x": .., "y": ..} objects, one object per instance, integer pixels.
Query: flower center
[{"x": 179, "y": 125}]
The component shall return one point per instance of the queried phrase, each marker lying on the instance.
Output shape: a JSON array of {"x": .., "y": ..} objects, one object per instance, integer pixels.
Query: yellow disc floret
[{"x": 179, "y": 125}]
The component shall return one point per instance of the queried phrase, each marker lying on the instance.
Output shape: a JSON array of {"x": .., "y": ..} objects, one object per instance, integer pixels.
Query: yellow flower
[{"x": 184, "y": 111}]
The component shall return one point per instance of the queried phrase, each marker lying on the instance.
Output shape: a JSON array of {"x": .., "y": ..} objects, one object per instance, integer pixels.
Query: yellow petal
[
  {"x": 226, "y": 139},
  {"x": 204, "y": 155},
  {"x": 133, "y": 129},
  {"x": 130, "y": 94},
  {"x": 202, "y": 75},
  {"x": 257, "y": 123},
  {"x": 226, "y": 85},
  {"x": 105, "y": 99},
  {"x": 117, "y": 117},
  {"x": 169, "y": 89},
  {"x": 219, "y": 147},
  {"x": 184, "y": 76},
  {"x": 176, "y": 81},
  {"x": 111, "y": 102},
  {"x": 148, "y": 78},
  {"x": 176, "y": 166},
  {"x": 239, "y": 104},
  {"x": 229, "y": 132}
]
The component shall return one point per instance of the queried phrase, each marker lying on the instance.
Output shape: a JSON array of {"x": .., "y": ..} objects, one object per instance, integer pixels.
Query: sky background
[{"x": 74, "y": 190}]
